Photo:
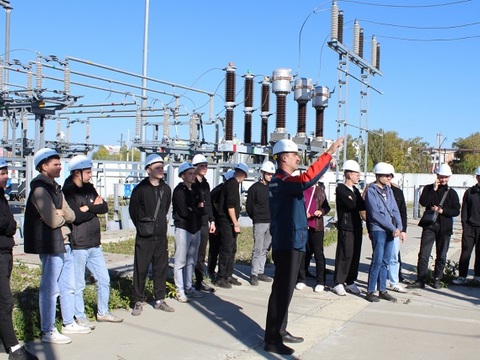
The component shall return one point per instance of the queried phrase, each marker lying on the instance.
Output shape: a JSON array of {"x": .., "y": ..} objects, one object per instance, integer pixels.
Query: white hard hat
[
  {"x": 152, "y": 159},
  {"x": 383, "y": 168},
  {"x": 477, "y": 171},
  {"x": 444, "y": 170},
  {"x": 80, "y": 162},
  {"x": 42, "y": 155},
  {"x": 268, "y": 167},
  {"x": 229, "y": 174},
  {"x": 199, "y": 159},
  {"x": 351, "y": 165},
  {"x": 392, "y": 170},
  {"x": 184, "y": 167},
  {"x": 3, "y": 163},
  {"x": 243, "y": 167},
  {"x": 284, "y": 145}
]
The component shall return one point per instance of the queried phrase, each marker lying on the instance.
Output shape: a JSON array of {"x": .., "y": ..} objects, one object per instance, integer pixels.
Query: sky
[{"x": 428, "y": 62}]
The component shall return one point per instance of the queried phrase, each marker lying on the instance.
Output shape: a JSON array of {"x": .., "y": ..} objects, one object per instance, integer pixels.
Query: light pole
[
  {"x": 8, "y": 10},
  {"x": 144, "y": 79}
]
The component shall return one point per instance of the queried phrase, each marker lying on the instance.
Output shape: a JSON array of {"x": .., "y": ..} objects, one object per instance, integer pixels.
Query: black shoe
[
  {"x": 308, "y": 274},
  {"x": 372, "y": 297},
  {"x": 223, "y": 283},
  {"x": 204, "y": 287},
  {"x": 21, "y": 354},
  {"x": 254, "y": 280},
  {"x": 264, "y": 278},
  {"x": 289, "y": 338},
  {"x": 234, "y": 281},
  {"x": 419, "y": 284},
  {"x": 437, "y": 284},
  {"x": 386, "y": 296},
  {"x": 278, "y": 348}
]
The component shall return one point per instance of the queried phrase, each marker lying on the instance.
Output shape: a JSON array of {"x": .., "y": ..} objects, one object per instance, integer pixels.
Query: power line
[
  {"x": 407, "y": 6},
  {"x": 423, "y": 27},
  {"x": 429, "y": 40}
]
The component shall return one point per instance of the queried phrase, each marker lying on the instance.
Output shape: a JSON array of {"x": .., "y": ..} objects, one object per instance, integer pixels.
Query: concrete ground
[{"x": 423, "y": 324}]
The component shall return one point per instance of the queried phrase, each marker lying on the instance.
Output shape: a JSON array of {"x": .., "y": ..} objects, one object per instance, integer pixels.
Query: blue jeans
[
  {"x": 58, "y": 279},
  {"x": 394, "y": 265},
  {"x": 382, "y": 244},
  {"x": 93, "y": 259},
  {"x": 186, "y": 253}
]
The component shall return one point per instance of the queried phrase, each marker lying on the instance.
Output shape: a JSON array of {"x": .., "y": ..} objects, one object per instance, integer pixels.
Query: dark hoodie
[{"x": 8, "y": 225}]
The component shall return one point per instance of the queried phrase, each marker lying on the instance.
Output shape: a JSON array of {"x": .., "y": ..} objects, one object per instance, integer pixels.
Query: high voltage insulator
[
  {"x": 302, "y": 92},
  {"x": 229, "y": 101},
  {"x": 38, "y": 72},
  {"x": 166, "y": 123},
  {"x": 321, "y": 95},
  {"x": 334, "y": 22},
  {"x": 29, "y": 81},
  {"x": 66, "y": 79},
  {"x": 378, "y": 57},
  {"x": 138, "y": 121},
  {"x": 373, "y": 52},
  {"x": 281, "y": 84},
  {"x": 87, "y": 133},
  {"x": 340, "y": 26},
  {"x": 360, "y": 43},
  {"x": 356, "y": 37},
  {"x": 248, "y": 101},
  {"x": 265, "y": 107},
  {"x": 24, "y": 124}
]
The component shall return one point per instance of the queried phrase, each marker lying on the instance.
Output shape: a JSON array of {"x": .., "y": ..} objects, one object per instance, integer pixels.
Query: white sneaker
[
  {"x": 460, "y": 280},
  {"x": 319, "y": 288},
  {"x": 54, "y": 337},
  {"x": 86, "y": 323},
  {"x": 398, "y": 288},
  {"x": 74, "y": 328},
  {"x": 339, "y": 290},
  {"x": 300, "y": 286},
  {"x": 181, "y": 297},
  {"x": 352, "y": 288}
]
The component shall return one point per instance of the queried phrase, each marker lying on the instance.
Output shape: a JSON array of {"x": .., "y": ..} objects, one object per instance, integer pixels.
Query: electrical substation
[{"x": 51, "y": 95}]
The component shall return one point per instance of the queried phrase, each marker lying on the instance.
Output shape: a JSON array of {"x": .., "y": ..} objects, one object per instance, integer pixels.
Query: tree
[{"x": 467, "y": 157}]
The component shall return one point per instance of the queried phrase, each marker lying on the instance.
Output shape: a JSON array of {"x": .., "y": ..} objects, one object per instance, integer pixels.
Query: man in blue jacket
[{"x": 289, "y": 232}]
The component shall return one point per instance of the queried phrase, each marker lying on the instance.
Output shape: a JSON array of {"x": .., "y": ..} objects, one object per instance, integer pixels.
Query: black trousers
[
  {"x": 7, "y": 333},
  {"x": 315, "y": 248},
  {"x": 442, "y": 242},
  {"x": 347, "y": 256},
  {"x": 150, "y": 252},
  {"x": 287, "y": 263},
  {"x": 228, "y": 249},
  {"x": 213, "y": 251},
  {"x": 202, "y": 252},
  {"x": 470, "y": 240}
]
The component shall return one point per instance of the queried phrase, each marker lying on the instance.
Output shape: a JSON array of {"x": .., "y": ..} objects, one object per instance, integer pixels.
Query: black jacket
[
  {"x": 204, "y": 187},
  {"x": 402, "y": 207},
  {"x": 451, "y": 206},
  {"x": 143, "y": 202},
  {"x": 257, "y": 203},
  {"x": 8, "y": 225},
  {"x": 231, "y": 198},
  {"x": 349, "y": 204},
  {"x": 86, "y": 227},
  {"x": 471, "y": 207},
  {"x": 186, "y": 213}
]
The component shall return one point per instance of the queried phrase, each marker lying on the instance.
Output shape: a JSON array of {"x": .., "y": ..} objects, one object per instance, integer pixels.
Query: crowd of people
[{"x": 287, "y": 211}]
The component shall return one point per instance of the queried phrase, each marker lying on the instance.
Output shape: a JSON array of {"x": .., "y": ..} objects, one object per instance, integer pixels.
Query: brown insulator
[
  {"x": 249, "y": 91},
  {"x": 265, "y": 98},
  {"x": 340, "y": 26},
  {"x": 281, "y": 111},
  {"x": 319, "y": 122},
  {"x": 229, "y": 124},
  {"x": 361, "y": 39},
  {"x": 264, "y": 133},
  {"x": 378, "y": 57},
  {"x": 302, "y": 117},
  {"x": 230, "y": 87},
  {"x": 247, "y": 138}
]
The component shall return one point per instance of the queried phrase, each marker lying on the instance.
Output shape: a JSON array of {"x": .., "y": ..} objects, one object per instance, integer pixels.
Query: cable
[
  {"x": 407, "y": 6},
  {"x": 422, "y": 27},
  {"x": 429, "y": 40}
]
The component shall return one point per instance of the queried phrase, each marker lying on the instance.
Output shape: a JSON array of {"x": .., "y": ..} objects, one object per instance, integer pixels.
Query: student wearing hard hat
[
  {"x": 188, "y": 210},
  {"x": 349, "y": 204},
  {"x": 258, "y": 211},
  {"x": 208, "y": 221},
  {"x": 289, "y": 230},
  {"x": 229, "y": 227},
  {"x": 384, "y": 225},
  {"x": 8, "y": 228},
  {"x": 445, "y": 202},
  {"x": 85, "y": 239},
  {"x": 46, "y": 233},
  {"x": 148, "y": 209},
  {"x": 471, "y": 233}
]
